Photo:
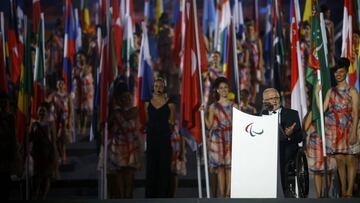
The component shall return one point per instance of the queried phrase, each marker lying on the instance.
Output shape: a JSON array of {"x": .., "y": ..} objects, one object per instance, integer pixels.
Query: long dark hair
[{"x": 216, "y": 85}]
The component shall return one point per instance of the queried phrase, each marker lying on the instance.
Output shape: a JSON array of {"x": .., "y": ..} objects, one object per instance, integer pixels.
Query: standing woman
[
  {"x": 341, "y": 118},
  {"x": 124, "y": 147},
  {"x": 160, "y": 118},
  {"x": 219, "y": 122}
]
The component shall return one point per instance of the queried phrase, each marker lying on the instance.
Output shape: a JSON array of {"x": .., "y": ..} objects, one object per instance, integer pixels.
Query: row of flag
[{"x": 115, "y": 20}]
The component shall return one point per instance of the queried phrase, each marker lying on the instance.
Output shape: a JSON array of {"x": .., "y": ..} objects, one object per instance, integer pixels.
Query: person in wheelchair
[{"x": 290, "y": 131}]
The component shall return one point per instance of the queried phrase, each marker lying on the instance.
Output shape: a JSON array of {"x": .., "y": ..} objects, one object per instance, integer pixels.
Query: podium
[{"x": 254, "y": 169}]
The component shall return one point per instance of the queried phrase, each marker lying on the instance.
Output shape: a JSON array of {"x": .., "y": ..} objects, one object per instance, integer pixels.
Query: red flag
[
  {"x": 36, "y": 15},
  {"x": 118, "y": 34},
  {"x": 190, "y": 87},
  {"x": 179, "y": 34},
  {"x": 3, "y": 80},
  {"x": 298, "y": 95}
]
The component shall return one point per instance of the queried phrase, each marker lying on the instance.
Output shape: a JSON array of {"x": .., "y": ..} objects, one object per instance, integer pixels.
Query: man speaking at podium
[{"x": 290, "y": 132}]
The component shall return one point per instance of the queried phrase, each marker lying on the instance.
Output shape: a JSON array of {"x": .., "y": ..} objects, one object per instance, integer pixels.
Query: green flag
[{"x": 317, "y": 61}]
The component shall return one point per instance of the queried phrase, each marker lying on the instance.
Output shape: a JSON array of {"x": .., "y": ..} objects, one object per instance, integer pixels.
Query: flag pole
[
  {"x": 42, "y": 17},
  {"x": 3, "y": 34},
  {"x": 321, "y": 108},
  {"x": 236, "y": 69},
  {"x": 27, "y": 152},
  {"x": 202, "y": 113},
  {"x": 198, "y": 168}
]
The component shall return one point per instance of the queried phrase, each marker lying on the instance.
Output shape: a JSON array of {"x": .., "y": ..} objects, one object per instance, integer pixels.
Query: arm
[
  {"x": 307, "y": 121},
  {"x": 355, "y": 116},
  {"x": 326, "y": 100},
  {"x": 172, "y": 114},
  {"x": 210, "y": 117},
  {"x": 146, "y": 112},
  {"x": 293, "y": 132}
]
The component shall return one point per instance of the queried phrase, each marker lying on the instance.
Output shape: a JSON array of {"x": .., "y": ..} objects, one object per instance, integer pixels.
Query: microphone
[{"x": 268, "y": 106}]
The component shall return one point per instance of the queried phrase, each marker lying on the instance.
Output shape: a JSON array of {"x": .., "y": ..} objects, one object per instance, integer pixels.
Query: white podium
[{"x": 254, "y": 161}]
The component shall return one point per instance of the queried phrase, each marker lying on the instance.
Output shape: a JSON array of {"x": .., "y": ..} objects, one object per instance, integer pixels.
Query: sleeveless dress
[
  {"x": 220, "y": 137},
  {"x": 62, "y": 116},
  {"x": 338, "y": 121},
  {"x": 211, "y": 76},
  {"x": 125, "y": 144},
  {"x": 314, "y": 152},
  {"x": 158, "y": 152}
]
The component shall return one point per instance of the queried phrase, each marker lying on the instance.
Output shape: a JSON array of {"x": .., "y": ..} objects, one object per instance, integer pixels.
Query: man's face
[{"x": 272, "y": 98}]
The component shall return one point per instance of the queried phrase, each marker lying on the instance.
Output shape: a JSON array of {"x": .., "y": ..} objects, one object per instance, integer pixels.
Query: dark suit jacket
[{"x": 288, "y": 145}]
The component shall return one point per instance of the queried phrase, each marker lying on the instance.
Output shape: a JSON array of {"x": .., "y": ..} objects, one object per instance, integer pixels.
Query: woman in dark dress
[{"x": 160, "y": 117}]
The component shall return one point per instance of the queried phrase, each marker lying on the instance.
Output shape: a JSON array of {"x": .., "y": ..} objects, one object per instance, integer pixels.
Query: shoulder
[
  {"x": 288, "y": 111},
  {"x": 353, "y": 91}
]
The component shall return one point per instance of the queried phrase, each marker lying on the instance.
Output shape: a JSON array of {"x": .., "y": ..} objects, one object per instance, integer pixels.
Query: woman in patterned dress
[
  {"x": 254, "y": 60},
  {"x": 219, "y": 122},
  {"x": 341, "y": 118},
  {"x": 125, "y": 148},
  {"x": 62, "y": 104},
  {"x": 314, "y": 154},
  {"x": 215, "y": 70}
]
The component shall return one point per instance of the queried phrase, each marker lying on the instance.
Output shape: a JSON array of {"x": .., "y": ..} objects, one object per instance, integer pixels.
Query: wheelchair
[{"x": 297, "y": 176}]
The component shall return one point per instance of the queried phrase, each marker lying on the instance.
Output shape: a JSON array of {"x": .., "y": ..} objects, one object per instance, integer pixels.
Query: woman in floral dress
[
  {"x": 341, "y": 118},
  {"x": 219, "y": 142},
  {"x": 314, "y": 154}
]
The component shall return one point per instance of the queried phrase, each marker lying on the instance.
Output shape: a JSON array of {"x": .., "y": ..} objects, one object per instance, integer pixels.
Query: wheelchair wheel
[
  {"x": 302, "y": 174},
  {"x": 289, "y": 187}
]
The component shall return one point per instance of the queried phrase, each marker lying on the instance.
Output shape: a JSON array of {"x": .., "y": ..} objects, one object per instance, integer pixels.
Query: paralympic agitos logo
[{"x": 249, "y": 129}]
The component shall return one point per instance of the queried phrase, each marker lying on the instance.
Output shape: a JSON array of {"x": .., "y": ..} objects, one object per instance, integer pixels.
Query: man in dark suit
[{"x": 290, "y": 132}]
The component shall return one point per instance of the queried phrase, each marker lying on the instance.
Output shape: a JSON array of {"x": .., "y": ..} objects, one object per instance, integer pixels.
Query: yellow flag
[{"x": 307, "y": 10}]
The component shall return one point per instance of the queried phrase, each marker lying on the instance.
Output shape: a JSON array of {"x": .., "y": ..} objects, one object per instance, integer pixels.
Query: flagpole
[
  {"x": 321, "y": 109},
  {"x": 198, "y": 169},
  {"x": 202, "y": 113},
  {"x": 42, "y": 17},
  {"x": 236, "y": 69},
  {"x": 27, "y": 152},
  {"x": 3, "y": 34}
]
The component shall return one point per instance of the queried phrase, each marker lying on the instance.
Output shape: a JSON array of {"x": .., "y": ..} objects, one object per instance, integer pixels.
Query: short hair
[{"x": 271, "y": 89}]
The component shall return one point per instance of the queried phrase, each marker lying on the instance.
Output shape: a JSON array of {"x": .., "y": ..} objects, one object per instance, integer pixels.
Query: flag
[
  {"x": 36, "y": 15},
  {"x": 145, "y": 77},
  {"x": 297, "y": 86},
  {"x": 20, "y": 25},
  {"x": 158, "y": 11},
  {"x": 317, "y": 61},
  {"x": 13, "y": 47},
  {"x": 208, "y": 19},
  {"x": 3, "y": 79},
  {"x": 307, "y": 10},
  {"x": 179, "y": 35},
  {"x": 239, "y": 19},
  {"x": 69, "y": 45},
  {"x": 190, "y": 86},
  {"x": 86, "y": 20},
  {"x": 278, "y": 54},
  {"x": 25, "y": 92},
  {"x": 39, "y": 70},
  {"x": 78, "y": 31},
  {"x": 347, "y": 44},
  {"x": 117, "y": 34},
  {"x": 224, "y": 31},
  {"x": 267, "y": 42},
  {"x": 256, "y": 15}
]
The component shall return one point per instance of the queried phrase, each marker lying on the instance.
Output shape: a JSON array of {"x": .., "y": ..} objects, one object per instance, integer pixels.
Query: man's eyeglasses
[{"x": 271, "y": 99}]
